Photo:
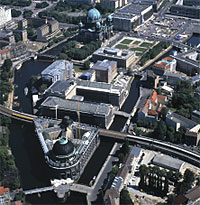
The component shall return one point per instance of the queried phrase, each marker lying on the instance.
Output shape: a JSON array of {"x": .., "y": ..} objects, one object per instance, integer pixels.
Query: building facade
[
  {"x": 5, "y": 15},
  {"x": 58, "y": 70},
  {"x": 105, "y": 70},
  {"x": 123, "y": 58},
  {"x": 186, "y": 11}
]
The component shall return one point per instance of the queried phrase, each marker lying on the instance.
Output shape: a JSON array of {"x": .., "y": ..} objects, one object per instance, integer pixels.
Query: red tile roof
[
  {"x": 4, "y": 51},
  {"x": 3, "y": 190},
  {"x": 152, "y": 112},
  {"x": 164, "y": 63}
]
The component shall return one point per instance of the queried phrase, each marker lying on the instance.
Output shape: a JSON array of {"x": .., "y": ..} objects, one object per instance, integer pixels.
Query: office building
[
  {"x": 58, "y": 70},
  {"x": 23, "y": 24},
  {"x": 186, "y": 11},
  {"x": 123, "y": 58},
  {"x": 105, "y": 70},
  {"x": 166, "y": 64},
  {"x": 155, "y": 3},
  {"x": 188, "y": 62},
  {"x": 114, "y": 4},
  {"x": 5, "y": 15},
  {"x": 191, "y": 2},
  {"x": 100, "y": 115}
]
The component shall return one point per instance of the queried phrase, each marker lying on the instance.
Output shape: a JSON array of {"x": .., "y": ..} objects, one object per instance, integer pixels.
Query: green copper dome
[{"x": 93, "y": 15}]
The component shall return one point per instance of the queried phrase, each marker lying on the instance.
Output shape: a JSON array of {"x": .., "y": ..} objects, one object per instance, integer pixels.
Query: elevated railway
[{"x": 180, "y": 151}]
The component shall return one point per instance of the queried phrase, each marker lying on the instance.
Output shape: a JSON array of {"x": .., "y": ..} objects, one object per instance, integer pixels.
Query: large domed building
[{"x": 95, "y": 28}]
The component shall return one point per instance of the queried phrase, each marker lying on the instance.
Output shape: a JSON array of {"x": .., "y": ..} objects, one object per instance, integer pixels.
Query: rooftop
[
  {"x": 60, "y": 86},
  {"x": 104, "y": 65},
  {"x": 165, "y": 63},
  {"x": 134, "y": 8},
  {"x": 165, "y": 160},
  {"x": 100, "y": 86},
  {"x": 84, "y": 107},
  {"x": 185, "y": 122},
  {"x": 57, "y": 68}
]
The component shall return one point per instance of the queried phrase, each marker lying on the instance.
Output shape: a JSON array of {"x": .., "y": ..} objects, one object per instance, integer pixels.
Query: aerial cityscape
[{"x": 100, "y": 102}]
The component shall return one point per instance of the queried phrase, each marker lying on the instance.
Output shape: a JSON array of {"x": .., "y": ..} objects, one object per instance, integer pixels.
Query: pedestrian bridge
[
  {"x": 38, "y": 190},
  {"x": 121, "y": 113},
  {"x": 74, "y": 187}
]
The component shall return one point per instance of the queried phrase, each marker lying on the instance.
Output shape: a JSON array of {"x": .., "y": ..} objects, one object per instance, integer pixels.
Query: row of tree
[
  {"x": 5, "y": 85},
  {"x": 21, "y": 3},
  {"x": 154, "y": 178},
  {"x": 152, "y": 53},
  {"x": 8, "y": 171},
  {"x": 44, "y": 4}
]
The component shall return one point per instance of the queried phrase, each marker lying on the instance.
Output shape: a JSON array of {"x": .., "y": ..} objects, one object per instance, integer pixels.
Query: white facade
[{"x": 5, "y": 15}]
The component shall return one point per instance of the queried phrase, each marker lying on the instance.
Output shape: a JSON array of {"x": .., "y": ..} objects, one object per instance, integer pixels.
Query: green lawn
[
  {"x": 121, "y": 46},
  {"x": 138, "y": 54},
  {"x": 136, "y": 42},
  {"x": 138, "y": 49},
  {"x": 126, "y": 41},
  {"x": 145, "y": 44},
  {"x": 79, "y": 68}
]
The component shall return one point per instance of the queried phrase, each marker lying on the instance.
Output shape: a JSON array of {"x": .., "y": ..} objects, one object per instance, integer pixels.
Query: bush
[
  {"x": 41, "y": 5},
  {"x": 15, "y": 13},
  {"x": 27, "y": 13}
]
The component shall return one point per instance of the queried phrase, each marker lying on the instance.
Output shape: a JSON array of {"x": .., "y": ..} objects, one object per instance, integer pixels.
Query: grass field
[
  {"x": 145, "y": 44},
  {"x": 138, "y": 54},
  {"x": 126, "y": 41},
  {"x": 138, "y": 49},
  {"x": 136, "y": 42},
  {"x": 121, "y": 46},
  {"x": 79, "y": 68}
]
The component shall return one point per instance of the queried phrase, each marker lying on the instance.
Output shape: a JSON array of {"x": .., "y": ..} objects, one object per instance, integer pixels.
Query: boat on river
[
  {"x": 18, "y": 66},
  {"x": 25, "y": 91}
]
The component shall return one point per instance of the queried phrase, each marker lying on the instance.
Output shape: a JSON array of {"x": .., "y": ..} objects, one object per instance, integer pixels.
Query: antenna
[{"x": 79, "y": 126}]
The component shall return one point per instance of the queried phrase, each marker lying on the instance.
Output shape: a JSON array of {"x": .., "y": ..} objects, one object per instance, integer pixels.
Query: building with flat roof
[
  {"x": 165, "y": 64},
  {"x": 105, "y": 70},
  {"x": 186, "y": 11},
  {"x": 58, "y": 70},
  {"x": 131, "y": 16},
  {"x": 155, "y": 3},
  {"x": 168, "y": 162},
  {"x": 102, "y": 92},
  {"x": 191, "y": 2},
  {"x": 196, "y": 116},
  {"x": 95, "y": 114},
  {"x": 5, "y": 15},
  {"x": 96, "y": 92},
  {"x": 123, "y": 58},
  {"x": 114, "y": 4},
  {"x": 192, "y": 136},
  {"x": 188, "y": 62},
  {"x": 125, "y": 22},
  {"x": 173, "y": 78},
  {"x": 176, "y": 121}
]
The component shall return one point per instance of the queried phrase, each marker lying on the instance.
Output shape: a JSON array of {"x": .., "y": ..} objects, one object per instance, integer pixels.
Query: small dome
[
  {"x": 63, "y": 147},
  {"x": 98, "y": 24},
  {"x": 93, "y": 15},
  {"x": 109, "y": 18}
]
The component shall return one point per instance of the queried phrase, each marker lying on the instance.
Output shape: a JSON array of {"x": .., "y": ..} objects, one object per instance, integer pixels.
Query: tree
[
  {"x": 121, "y": 157},
  {"x": 15, "y": 13},
  {"x": 17, "y": 37},
  {"x": 33, "y": 79},
  {"x": 164, "y": 112},
  {"x": 125, "y": 148},
  {"x": 27, "y": 13},
  {"x": 125, "y": 197},
  {"x": 87, "y": 65},
  {"x": 7, "y": 65}
]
